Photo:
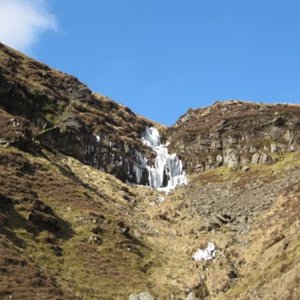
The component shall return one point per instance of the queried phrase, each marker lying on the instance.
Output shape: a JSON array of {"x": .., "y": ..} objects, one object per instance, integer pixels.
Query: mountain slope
[
  {"x": 72, "y": 227},
  {"x": 65, "y": 115},
  {"x": 235, "y": 134}
]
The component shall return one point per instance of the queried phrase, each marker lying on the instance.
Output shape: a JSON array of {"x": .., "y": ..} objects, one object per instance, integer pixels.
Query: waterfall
[{"x": 166, "y": 166}]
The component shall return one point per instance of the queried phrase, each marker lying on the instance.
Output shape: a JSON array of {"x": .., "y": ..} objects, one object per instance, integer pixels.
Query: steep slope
[
  {"x": 101, "y": 239},
  {"x": 235, "y": 134},
  {"x": 71, "y": 227},
  {"x": 61, "y": 113},
  {"x": 252, "y": 218},
  {"x": 72, "y": 222}
]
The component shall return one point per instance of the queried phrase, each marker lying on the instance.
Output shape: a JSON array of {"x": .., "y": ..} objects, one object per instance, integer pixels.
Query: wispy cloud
[{"x": 23, "y": 21}]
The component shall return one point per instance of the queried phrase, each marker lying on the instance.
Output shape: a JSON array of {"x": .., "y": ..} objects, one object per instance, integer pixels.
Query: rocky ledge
[{"x": 235, "y": 134}]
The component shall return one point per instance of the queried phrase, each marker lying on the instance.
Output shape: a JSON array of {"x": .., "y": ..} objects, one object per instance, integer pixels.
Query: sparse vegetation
[{"x": 71, "y": 231}]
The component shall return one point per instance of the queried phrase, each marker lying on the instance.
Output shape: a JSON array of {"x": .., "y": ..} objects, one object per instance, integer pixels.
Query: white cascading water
[{"x": 165, "y": 163}]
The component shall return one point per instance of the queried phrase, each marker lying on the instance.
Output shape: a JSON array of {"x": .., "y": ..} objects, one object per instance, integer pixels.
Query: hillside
[
  {"x": 235, "y": 134},
  {"x": 78, "y": 219}
]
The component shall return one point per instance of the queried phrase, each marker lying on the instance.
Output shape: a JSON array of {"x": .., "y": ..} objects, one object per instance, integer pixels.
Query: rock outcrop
[
  {"x": 43, "y": 106},
  {"x": 235, "y": 134}
]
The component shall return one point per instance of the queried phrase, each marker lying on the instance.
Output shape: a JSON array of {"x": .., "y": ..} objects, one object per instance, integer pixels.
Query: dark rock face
[
  {"x": 43, "y": 106},
  {"x": 235, "y": 134},
  {"x": 105, "y": 151}
]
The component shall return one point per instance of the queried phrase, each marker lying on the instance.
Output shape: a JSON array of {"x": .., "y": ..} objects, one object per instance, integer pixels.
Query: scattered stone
[
  {"x": 123, "y": 227},
  {"x": 97, "y": 230},
  {"x": 255, "y": 158},
  {"x": 96, "y": 240},
  {"x": 68, "y": 209},
  {"x": 159, "y": 199},
  {"x": 231, "y": 159},
  {"x": 213, "y": 226},
  {"x": 141, "y": 296},
  {"x": 222, "y": 219},
  {"x": 245, "y": 168}
]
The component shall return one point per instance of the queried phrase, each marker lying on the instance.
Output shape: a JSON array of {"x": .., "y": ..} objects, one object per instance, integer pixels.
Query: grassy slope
[
  {"x": 155, "y": 254},
  {"x": 82, "y": 199},
  {"x": 90, "y": 256}
]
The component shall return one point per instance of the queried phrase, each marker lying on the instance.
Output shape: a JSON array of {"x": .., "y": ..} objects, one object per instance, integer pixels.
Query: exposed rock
[
  {"x": 192, "y": 296},
  {"x": 141, "y": 296},
  {"x": 97, "y": 230},
  {"x": 96, "y": 240},
  {"x": 224, "y": 218},
  {"x": 231, "y": 158},
  {"x": 123, "y": 227},
  {"x": 213, "y": 226},
  {"x": 235, "y": 133},
  {"x": 60, "y": 112},
  {"x": 245, "y": 168},
  {"x": 14, "y": 131}
]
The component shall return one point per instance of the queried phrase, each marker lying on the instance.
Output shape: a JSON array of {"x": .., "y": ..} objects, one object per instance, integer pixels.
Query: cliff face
[
  {"x": 42, "y": 105},
  {"x": 235, "y": 134}
]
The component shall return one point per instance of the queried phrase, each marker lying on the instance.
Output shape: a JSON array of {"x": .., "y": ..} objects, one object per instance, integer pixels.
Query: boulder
[{"x": 245, "y": 168}]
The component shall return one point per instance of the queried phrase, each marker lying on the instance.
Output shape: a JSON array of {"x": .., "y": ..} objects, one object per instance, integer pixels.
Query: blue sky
[{"x": 162, "y": 57}]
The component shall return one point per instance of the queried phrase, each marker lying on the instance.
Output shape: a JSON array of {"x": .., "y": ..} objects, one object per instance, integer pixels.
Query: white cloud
[{"x": 22, "y": 22}]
